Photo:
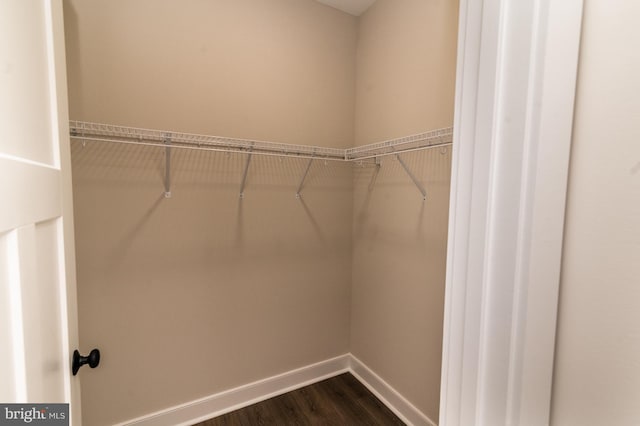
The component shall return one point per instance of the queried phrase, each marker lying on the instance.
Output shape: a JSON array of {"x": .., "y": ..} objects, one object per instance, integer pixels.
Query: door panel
[
  {"x": 25, "y": 81},
  {"x": 41, "y": 308},
  {"x": 38, "y": 318}
]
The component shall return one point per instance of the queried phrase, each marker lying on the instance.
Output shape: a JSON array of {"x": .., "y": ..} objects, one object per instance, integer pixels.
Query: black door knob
[{"x": 78, "y": 360}]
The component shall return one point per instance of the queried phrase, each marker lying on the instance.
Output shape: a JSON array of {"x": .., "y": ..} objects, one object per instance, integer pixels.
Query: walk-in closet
[{"x": 261, "y": 193}]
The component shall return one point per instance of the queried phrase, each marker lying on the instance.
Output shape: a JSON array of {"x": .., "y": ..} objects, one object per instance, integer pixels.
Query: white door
[{"x": 38, "y": 319}]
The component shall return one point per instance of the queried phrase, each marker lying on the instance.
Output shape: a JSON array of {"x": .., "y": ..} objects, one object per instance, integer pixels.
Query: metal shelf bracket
[
  {"x": 413, "y": 178},
  {"x": 167, "y": 166},
  {"x": 374, "y": 177},
  {"x": 304, "y": 176}
]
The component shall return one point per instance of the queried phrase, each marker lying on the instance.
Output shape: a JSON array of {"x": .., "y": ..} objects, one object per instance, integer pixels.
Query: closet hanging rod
[{"x": 136, "y": 136}]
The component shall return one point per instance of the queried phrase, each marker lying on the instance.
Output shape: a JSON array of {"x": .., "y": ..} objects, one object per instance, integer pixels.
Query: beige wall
[
  {"x": 406, "y": 68},
  {"x": 597, "y": 369},
  {"x": 405, "y": 85},
  {"x": 203, "y": 292},
  {"x": 277, "y": 70}
]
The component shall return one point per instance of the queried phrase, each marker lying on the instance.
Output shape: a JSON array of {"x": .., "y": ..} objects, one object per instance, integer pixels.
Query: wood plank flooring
[{"x": 339, "y": 401}]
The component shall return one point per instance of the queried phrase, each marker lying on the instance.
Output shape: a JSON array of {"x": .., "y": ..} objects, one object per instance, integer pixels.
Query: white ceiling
[{"x": 353, "y": 7}]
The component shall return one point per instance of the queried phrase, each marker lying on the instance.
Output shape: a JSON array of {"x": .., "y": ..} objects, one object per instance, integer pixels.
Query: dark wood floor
[{"x": 339, "y": 401}]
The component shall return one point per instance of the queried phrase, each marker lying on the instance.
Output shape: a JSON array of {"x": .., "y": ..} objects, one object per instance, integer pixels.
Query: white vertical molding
[
  {"x": 473, "y": 124},
  {"x": 550, "y": 135},
  {"x": 517, "y": 67}
]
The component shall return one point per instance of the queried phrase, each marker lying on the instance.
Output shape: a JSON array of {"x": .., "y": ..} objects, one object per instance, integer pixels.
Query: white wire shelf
[
  {"x": 431, "y": 139},
  {"x": 131, "y": 135},
  {"x": 89, "y": 131}
]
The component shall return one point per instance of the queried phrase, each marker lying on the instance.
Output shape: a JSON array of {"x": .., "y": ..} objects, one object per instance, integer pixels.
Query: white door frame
[{"x": 515, "y": 90}]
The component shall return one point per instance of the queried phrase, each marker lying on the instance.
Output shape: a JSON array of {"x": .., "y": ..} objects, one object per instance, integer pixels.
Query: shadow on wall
[
  {"x": 205, "y": 269},
  {"x": 385, "y": 196},
  {"x": 131, "y": 233},
  {"x": 205, "y": 199}
]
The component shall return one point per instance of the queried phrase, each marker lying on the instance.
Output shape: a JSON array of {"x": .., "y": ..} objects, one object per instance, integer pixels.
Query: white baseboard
[
  {"x": 243, "y": 396},
  {"x": 402, "y": 408}
]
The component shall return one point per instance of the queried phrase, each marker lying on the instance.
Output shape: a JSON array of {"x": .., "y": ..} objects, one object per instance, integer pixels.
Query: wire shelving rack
[{"x": 169, "y": 140}]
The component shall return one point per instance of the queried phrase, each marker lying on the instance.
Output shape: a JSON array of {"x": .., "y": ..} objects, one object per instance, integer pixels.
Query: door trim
[{"x": 515, "y": 90}]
